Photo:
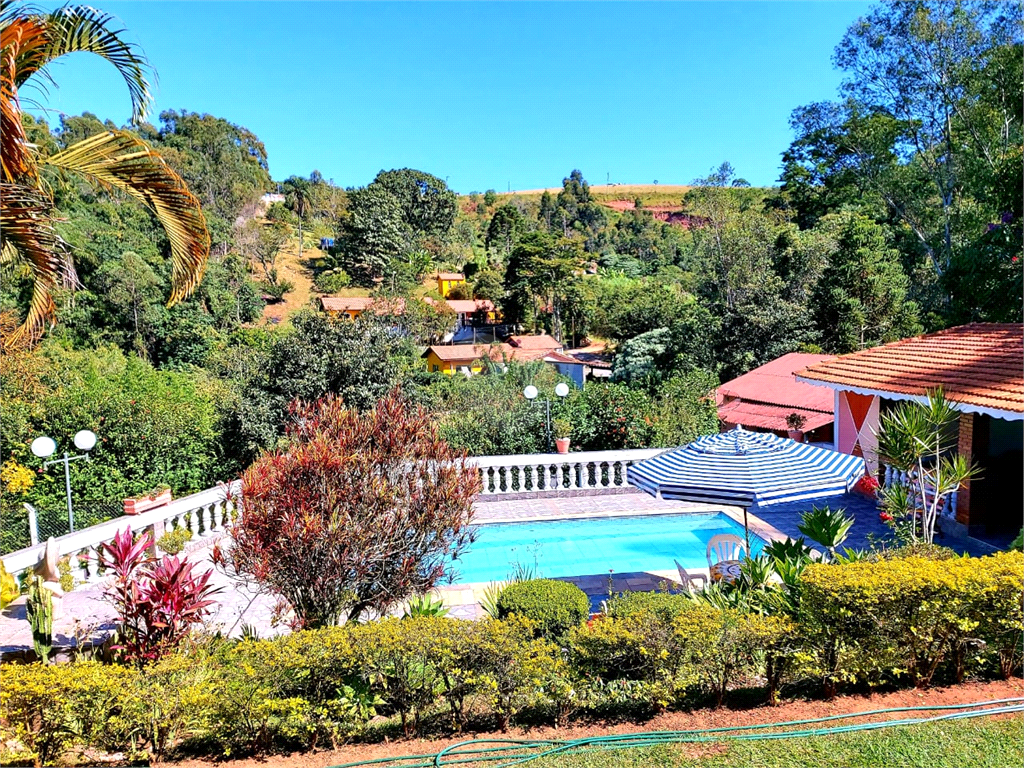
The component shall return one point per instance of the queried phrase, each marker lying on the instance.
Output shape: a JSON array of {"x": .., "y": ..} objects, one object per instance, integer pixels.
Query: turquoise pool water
[{"x": 592, "y": 547}]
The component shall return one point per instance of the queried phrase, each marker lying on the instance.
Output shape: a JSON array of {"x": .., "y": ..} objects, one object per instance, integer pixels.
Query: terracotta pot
[
  {"x": 562, "y": 444},
  {"x": 796, "y": 434},
  {"x": 135, "y": 506}
]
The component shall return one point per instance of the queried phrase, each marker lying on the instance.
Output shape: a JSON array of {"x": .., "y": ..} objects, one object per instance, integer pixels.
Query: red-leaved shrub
[
  {"x": 358, "y": 512},
  {"x": 157, "y": 601}
]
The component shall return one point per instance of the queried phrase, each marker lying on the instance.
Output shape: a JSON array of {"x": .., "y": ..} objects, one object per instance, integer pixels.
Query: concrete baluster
[{"x": 93, "y": 563}]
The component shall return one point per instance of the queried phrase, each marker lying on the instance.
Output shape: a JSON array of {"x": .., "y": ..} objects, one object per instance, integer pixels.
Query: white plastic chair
[
  {"x": 726, "y": 547},
  {"x": 689, "y": 580}
]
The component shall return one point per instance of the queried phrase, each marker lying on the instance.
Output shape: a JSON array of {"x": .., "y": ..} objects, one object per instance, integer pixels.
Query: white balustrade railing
[
  {"x": 893, "y": 476},
  {"x": 205, "y": 514},
  {"x": 547, "y": 472}
]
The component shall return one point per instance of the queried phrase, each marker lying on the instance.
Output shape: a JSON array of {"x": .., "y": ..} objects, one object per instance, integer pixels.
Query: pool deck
[{"x": 86, "y": 614}]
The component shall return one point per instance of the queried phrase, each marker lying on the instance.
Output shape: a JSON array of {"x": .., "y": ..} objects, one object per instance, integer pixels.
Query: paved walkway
[{"x": 87, "y": 615}]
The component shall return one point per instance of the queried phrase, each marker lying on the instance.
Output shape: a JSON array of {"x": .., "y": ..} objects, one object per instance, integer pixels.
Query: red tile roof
[
  {"x": 558, "y": 357},
  {"x": 774, "y": 384},
  {"x": 773, "y": 417},
  {"x": 469, "y": 306},
  {"x": 362, "y": 304},
  {"x": 540, "y": 341},
  {"x": 345, "y": 303},
  {"x": 981, "y": 366},
  {"x": 450, "y": 276},
  {"x": 468, "y": 353},
  {"x": 764, "y": 397}
]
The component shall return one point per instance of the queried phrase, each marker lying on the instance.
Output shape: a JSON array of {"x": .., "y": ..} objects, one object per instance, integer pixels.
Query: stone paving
[{"x": 87, "y": 615}]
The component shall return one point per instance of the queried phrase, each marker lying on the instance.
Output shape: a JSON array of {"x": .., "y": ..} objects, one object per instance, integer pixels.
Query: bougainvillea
[{"x": 356, "y": 513}]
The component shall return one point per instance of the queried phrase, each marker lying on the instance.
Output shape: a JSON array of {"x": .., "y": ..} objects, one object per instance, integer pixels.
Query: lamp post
[
  {"x": 530, "y": 393},
  {"x": 84, "y": 440}
]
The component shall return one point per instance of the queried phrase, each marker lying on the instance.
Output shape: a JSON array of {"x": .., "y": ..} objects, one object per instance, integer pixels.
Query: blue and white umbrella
[{"x": 741, "y": 468}]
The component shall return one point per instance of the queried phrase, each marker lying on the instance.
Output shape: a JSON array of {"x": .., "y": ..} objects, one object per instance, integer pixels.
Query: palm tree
[
  {"x": 296, "y": 190},
  {"x": 29, "y": 42}
]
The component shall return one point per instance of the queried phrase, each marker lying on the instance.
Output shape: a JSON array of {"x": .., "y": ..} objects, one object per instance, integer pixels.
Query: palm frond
[
  {"x": 27, "y": 235},
  {"x": 18, "y": 35},
  {"x": 81, "y": 29},
  {"x": 122, "y": 161}
]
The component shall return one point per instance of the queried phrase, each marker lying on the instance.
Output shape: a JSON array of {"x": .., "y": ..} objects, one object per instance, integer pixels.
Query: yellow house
[
  {"x": 453, "y": 358},
  {"x": 347, "y": 306},
  {"x": 448, "y": 280}
]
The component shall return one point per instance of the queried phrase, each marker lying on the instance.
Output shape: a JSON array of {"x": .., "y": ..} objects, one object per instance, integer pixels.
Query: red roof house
[
  {"x": 762, "y": 399},
  {"x": 980, "y": 368}
]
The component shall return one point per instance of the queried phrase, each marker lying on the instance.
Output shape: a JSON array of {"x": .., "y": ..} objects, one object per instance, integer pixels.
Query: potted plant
[
  {"x": 563, "y": 431},
  {"x": 157, "y": 497},
  {"x": 795, "y": 422}
]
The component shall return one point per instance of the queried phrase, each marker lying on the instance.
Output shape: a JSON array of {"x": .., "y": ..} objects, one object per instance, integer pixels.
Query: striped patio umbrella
[{"x": 740, "y": 468}]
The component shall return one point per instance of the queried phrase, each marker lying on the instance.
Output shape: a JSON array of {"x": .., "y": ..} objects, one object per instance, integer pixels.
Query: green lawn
[{"x": 956, "y": 744}]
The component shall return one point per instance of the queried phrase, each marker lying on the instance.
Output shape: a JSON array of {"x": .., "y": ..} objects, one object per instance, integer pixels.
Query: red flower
[{"x": 885, "y": 517}]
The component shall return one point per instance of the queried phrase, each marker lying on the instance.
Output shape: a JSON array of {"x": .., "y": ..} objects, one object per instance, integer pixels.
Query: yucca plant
[
  {"x": 920, "y": 441},
  {"x": 30, "y": 42},
  {"x": 828, "y": 527}
]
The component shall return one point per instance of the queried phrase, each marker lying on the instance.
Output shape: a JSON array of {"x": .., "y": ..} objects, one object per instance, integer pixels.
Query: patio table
[{"x": 725, "y": 570}]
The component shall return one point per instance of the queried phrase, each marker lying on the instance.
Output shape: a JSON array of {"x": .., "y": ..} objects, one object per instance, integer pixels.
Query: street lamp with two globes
[
  {"x": 85, "y": 440},
  {"x": 531, "y": 393}
]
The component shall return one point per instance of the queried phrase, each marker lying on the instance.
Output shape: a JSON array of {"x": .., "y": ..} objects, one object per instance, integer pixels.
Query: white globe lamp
[
  {"x": 530, "y": 393},
  {"x": 43, "y": 447},
  {"x": 561, "y": 389},
  {"x": 85, "y": 440}
]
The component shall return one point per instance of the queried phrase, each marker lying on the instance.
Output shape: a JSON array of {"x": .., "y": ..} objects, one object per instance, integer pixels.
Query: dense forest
[{"x": 898, "y": 210}]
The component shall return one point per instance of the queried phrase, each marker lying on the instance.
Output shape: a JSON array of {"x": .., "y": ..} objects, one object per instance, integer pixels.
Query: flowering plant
[{"x": 867, "y": 485}]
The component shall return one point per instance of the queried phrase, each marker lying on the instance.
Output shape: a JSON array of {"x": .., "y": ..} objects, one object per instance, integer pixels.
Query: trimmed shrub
[
  {"x": 555, "y": 607},
  {"x": 722, "y": 644},
  {"x": 869, "y": 621},
  {"x": 517, "y": 671},
  {"x": 638, "y": 649},
  {"x": 173, "y": 542},
  {"x": 48, "y": 708},
  {"x": 665, "y": 605}
]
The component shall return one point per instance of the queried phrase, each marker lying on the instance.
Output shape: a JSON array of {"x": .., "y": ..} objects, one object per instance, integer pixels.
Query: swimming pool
[{"x": 593, "y": 546}]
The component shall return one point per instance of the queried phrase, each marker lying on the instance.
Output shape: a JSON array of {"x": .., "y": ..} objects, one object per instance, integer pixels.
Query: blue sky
[{"x": 485, "y": 95}]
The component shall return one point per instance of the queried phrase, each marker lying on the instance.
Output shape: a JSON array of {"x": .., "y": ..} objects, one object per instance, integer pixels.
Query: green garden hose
[{"x": 519, "y": 751}]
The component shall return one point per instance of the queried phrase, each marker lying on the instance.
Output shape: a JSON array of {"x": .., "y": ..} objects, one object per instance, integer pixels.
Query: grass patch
[{"x": 953, "y": 744}]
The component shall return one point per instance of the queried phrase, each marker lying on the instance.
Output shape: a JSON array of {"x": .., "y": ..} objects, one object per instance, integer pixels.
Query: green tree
[
  {"x": 861, "y": 299},
  {"x": 374, "y": 233},
  {"x": 504, "y": 229},
  {"x": 428, "y": 206},
  {"x": 297, "y": 192}
]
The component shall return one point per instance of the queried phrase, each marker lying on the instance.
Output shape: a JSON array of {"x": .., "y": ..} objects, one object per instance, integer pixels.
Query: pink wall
[{"x": 856, "y": 423}]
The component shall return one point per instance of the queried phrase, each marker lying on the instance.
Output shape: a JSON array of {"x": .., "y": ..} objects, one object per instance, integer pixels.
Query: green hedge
[
  {"x": 555, "y": 607},
  {"x": 897, "y": 620}
]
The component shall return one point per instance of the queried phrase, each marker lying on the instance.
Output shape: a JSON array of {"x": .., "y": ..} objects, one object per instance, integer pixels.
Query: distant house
[
  {"x": 347, "y": 306},
  {"x": 762, "y": 399},
  {"x": 539, "y": 343},
  {"x": 468, "y": 358},
  {"x": 980, "y": 368},
  {"x": 568, "y": 366},
  {"x": 597, "y": 362},
  {"x": 469, "y": 311},
  {"x": 448, "y": 280},
  {"x": 464, "y": 358},
  {"x": 353, "y": 306}
]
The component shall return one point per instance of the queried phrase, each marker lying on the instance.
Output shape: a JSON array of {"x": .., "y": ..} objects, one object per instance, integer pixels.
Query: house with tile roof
[
  {"x": 469, "y": 358},
  {"x": 980, "y": 368},
  {"x": 345, "y": 306},
  {"x": 761, "y": 400},
  {"x": 448, "y": 280},
  {"x": 539, "y": 342}
]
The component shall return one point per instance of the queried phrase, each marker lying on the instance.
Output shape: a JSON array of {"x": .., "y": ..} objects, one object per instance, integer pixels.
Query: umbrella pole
[{"x": 746, "y": 529}]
